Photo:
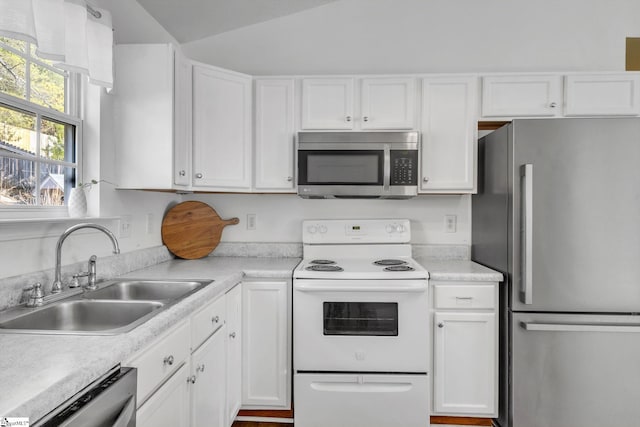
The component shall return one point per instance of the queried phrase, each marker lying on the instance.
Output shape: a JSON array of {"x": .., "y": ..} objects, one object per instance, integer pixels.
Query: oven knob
[
  {"x": 390, "y": 228},
  {"x": 400, "y": 228},
  {"x": 322, "y": 229},
  {"x": 311, "y": 229}
]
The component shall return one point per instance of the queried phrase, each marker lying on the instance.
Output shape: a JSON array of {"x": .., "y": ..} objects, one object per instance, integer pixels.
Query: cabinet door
[
  {"x": 449, "y": 135},
  {"x": 266, "y": 360},
  {"x": 234, "y": 352},
  {"x": 208, "y": 378},
  {"x": 274, "y": 133},
  {"x": 221, "y": 129},
  {"x": 521, "y": 96},
  {"x": 616, "y": 94},
  {"x": 327, "y": 103},
  {"x": 388, "y": 103},
  {"x": 183, "y": 127},
  {"x": 169, "y": 405},
  {"x": 465, "y": 375},
  {"x": 143, "y": 115}
]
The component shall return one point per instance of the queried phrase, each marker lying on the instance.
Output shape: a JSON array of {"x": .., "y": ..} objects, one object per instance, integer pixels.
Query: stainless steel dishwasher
[{"x": 110, "y": 401}]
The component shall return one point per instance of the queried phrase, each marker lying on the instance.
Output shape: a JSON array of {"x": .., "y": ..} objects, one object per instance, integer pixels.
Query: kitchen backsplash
[{"x": 12, "y": 288}]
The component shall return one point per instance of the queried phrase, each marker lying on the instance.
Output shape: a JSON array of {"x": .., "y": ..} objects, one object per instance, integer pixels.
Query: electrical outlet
[
  {"x": 251, "y": 221},
  {"x": 450, "y": 223},
  {"x": 125, "y": 226}
]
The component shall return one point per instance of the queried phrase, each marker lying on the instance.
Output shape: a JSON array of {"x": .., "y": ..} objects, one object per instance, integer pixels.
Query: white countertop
[{"x": 39, "y": 372}]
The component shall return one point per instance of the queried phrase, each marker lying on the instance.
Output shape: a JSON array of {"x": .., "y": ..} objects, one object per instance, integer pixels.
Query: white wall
[
  {"x": 279, "y": 216},
  {"x": 400, "y": 36},
  {"x": 28, "y": 247}
]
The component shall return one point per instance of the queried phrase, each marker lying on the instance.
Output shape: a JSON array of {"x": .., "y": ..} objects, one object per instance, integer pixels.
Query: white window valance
[{"x": 76, "y": 36}]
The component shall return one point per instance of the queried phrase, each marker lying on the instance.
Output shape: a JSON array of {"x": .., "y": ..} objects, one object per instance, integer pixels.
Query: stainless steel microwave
[{"x": 358, "y": 164}]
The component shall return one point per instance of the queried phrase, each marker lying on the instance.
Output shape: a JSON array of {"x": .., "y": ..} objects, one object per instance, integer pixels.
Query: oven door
[{"x": 360, "y": 326}]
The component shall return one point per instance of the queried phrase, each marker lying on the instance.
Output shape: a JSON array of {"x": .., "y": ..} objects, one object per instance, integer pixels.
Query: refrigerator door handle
[
  {"x": 526, "y": 234},
  {"x": 580, "y": 327}
]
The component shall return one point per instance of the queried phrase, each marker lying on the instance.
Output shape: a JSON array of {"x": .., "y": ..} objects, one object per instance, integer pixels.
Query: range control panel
[{"x": 336, "y": 231}]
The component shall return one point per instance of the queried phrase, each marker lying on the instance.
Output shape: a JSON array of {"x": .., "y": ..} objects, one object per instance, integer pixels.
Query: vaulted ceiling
[{"x": 189, "y": 20}]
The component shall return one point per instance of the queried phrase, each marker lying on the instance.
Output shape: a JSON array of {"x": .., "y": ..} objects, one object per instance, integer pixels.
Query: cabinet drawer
[
  {"x": 465, "y": 296},
  {"x": 160, "y": 360},
  {"x": 206, "y": 321}
]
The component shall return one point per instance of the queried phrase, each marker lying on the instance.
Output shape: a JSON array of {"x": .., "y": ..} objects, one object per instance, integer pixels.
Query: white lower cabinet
[
  {"x": 169, "y": 405},
  {"x": 192, "y": 374},
  {"x": 266, "y": 359},
  {"x": 465, "y": 349},
  {"x": 208, "y": 382},
  {"x": 234, "y": 352}
]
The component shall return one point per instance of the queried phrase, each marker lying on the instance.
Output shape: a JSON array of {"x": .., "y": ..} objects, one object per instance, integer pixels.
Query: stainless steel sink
[
  {"x": 84, "y": 317},
  {"x": 117, "y": 306},
  {"x": 136, "y": 290}
]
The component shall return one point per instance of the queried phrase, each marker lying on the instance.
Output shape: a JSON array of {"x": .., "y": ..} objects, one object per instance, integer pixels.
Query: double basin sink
[{"x": 117, "y": 306}]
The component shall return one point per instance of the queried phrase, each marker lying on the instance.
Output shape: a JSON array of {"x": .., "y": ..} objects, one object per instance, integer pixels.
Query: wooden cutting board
[{"x": 191, "y": 230}]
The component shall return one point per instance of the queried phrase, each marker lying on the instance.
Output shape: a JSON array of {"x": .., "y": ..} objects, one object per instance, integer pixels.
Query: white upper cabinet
[
  {"x": 449, "y": 135},
  {"x": 610, "y": 94},
  {"x": 327, "y": 103},
  {"x": 221, "y": 129},
  {"x": 145, "y": 94},
  {"x": 522, "y": 95},
  {"x": 383, "y": 103},
  {"x": 274, "y": 135},
  {"x": 182, "y": 118},
  {"x": 388, "y": 103}
]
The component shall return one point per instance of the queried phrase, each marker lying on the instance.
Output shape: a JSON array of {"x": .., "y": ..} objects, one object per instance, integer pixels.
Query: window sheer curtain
[{"x": 74, "y": 36}]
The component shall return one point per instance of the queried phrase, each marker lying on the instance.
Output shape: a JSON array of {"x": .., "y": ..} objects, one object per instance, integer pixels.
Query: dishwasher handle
[{"x": 127, "y": 413}]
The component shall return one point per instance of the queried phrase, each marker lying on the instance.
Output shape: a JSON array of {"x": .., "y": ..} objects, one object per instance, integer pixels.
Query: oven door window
[
  {"x": 341, "y": 167},
  {"x": 361, "y": 318}
]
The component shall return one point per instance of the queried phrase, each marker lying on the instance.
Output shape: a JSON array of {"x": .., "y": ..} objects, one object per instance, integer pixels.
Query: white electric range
[{"x": 361, "y": 326}]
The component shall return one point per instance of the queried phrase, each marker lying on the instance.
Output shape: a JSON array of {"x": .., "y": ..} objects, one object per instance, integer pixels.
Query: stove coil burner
[
  {"x": 390, "y": 262},
  {"x": 322, "y": 261},
  {"x": 399, "y": 268},
  {"x": 322, "y": 267}
]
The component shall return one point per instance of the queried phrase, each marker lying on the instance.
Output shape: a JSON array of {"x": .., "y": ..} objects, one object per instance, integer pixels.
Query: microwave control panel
[{"x": 404, "y": 167}]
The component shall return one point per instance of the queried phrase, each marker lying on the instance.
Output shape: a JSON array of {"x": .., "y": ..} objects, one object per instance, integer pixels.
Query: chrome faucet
[{"x": 57, "y": 283}]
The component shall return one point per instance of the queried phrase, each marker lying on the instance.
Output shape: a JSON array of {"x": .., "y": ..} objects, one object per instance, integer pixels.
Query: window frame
[{"x": 73, "y": 96}]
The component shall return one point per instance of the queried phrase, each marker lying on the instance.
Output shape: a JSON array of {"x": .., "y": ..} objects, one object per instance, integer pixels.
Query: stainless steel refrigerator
[{"x": 558, "y": 212}]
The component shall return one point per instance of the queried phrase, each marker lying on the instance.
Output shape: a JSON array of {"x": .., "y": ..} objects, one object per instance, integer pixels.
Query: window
[{"x": 39, "y": 129}]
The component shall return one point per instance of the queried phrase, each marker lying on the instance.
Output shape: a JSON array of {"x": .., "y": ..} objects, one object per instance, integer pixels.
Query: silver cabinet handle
[
  {"x": 200, "y": 368},
  {"x": 425, "y": 179},
  {"x": 182, "y": 173},
  {"x": 553, "y": 105},
  {"x": 580, "y": 327},
  {"x": 215, "y": 319},
  {"x": 192, "y": 379},
  {"x": 289, "y": 178},
  {"x": 198, "y": 175},
  {"x": 526, "y": 237},
  {"x": 348, "y": 118},
  {"x": 365, "y": 118},
  {"x": 440, "y": 325},
  {"x": 168, "y": 360},
  {"x": 232, "y": 335}
]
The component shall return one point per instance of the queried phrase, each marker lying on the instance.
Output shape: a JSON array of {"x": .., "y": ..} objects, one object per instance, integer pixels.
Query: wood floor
[{"x": 435, "y": 421}]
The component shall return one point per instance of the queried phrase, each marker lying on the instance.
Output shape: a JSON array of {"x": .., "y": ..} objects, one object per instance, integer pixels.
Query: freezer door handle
[
  {"x": 580, "y": 327},
  {"x": 526, "y": 234}
]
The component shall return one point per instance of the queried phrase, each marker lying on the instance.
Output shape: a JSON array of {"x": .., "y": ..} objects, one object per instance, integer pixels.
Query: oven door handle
[{"x": 327, "y": 287}]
